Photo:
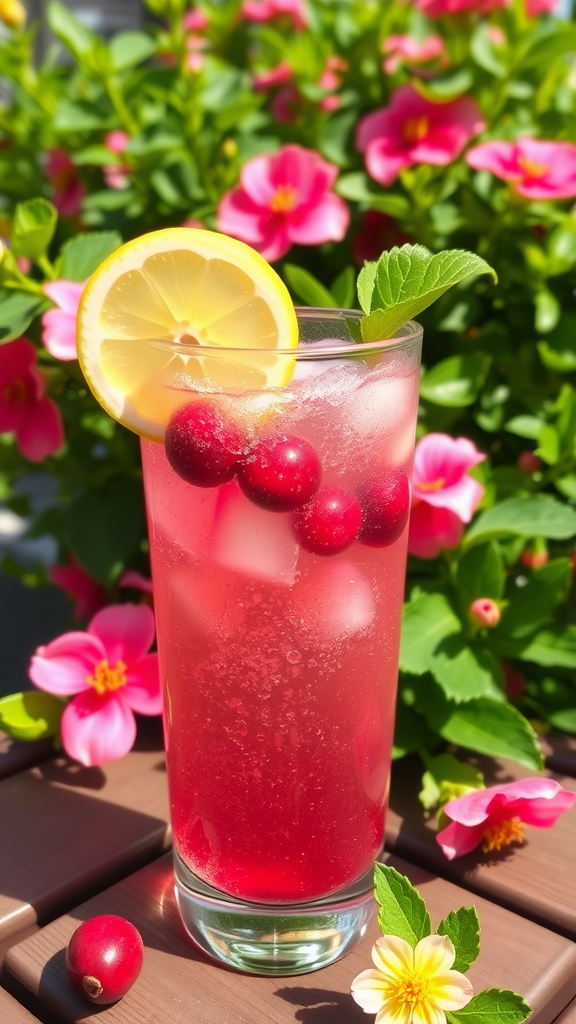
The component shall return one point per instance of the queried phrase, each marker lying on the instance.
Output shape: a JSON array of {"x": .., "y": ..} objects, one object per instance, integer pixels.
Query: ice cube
[
  {"x": 251, "y": 541},
  {"x": 335, "y": 602},
  {"x": 383, "y": 409},
  {"x": 208, "y": 600},
  {"x": 180, "y": 512},
  {"x": 307, "y": 368}
]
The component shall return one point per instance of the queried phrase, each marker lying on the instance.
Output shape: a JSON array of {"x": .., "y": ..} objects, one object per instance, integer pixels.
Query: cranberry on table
[
  {"x": 201, "y": 445},
  {"x": 329, "y": 522},
  {"x": 385, "y": 503},
  {"x": 280, "y": 473},
  {"x": 104, "y": 958}
]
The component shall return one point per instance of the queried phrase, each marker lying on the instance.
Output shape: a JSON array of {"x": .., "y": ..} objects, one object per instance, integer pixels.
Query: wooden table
[{"x": 78, "y": 842}]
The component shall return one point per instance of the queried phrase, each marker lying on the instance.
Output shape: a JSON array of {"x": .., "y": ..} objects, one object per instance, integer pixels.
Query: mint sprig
[
  {"x": 403, "y": 912},
  {"x": 407, "y": 279}
]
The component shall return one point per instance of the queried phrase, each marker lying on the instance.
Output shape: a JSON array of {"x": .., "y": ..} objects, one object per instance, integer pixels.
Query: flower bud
[
  {"x": 528, "y": 462},
  {"x": 12, "y": 13},
  {"x": 484, "y": 612},
  {"x": 534, "y": 559}
]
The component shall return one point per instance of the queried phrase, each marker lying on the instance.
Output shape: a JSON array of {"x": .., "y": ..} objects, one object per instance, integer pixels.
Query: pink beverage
[{"x": 280, "y": 664}]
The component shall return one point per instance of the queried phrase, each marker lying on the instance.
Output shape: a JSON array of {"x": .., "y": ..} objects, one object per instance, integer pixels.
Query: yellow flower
[
  {"x": 412, "y": 986},
  {"x": 12, "y": 13}
]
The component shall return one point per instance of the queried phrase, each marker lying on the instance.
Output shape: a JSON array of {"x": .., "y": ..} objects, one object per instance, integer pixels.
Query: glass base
[{"x": 263, "y": 939}]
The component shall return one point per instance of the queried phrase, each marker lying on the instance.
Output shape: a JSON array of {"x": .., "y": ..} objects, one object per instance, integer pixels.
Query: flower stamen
[
  {"x": 416, "y": 128},
  {"x": 432, "y": 485},
  {"x": 284, "y": 199},
  {"x": 531, "y": 168},
  {"x": 501, "y": 834},
  {"x": 106, "y": 679},
  {"x": 15, "y": 392}
]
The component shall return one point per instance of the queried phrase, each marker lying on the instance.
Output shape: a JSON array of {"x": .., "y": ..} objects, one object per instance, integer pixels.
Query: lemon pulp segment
[{"x": 199, "y": 291}]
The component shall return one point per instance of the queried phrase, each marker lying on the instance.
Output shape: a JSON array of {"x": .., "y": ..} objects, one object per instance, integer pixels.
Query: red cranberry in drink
[
  {"x": 280, "y": 473},
  {"x": 329, "y": 522},
  {"x": 385, "y": 504},
  {"x": 201, "y": 446},
  {"x": 104, "y": 958}
]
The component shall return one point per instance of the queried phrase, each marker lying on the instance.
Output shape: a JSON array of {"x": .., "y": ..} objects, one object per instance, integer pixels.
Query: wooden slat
[
  {"x": 69, "y": 831},
  {"x": 10, "y": 940},
  {"x": 535, "y": 879},
  {"x": 11, "y": 1012},
  {"x": 560, "y": 752},
  {"x": 568, "y": 1016},
  {"x": 16, "y": 756},
  {"x": 179, "y": 985}
]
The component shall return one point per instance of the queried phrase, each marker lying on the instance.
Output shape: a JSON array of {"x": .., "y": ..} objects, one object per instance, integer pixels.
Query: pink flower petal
[
  {"x": 42, "y": 433},
  {"x": 256, "y": 178},
  {"x": 462, "y": 498},
  {"x": 59, "y": 334},
  {"x": 63, "y": 666},
  {"x": 432, "y": 529},
  {"x": 142, "y": 691},
  {"x": 18, "y": 357},
  {"x": 456, "y": 840},
  {"x": 66, "y": 294},
  {"x": 126, "y": 631},
  {"x": 475, "y": 808},
  {"x": 328, "y": 220},
  {"x": 497, "y": 157},
  {"x": 239, "y": 216},
  {"x": 440, "y": 456},
  {"x": 383, "y": 163},
  {"x": 96, "y": 729},
  {"x": 137, "y": 581}
]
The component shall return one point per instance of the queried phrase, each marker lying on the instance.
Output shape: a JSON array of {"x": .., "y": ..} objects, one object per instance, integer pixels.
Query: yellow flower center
[
  {"x": 433, "y": 485},
  {"x": 15, "y": 393},
  {"x": 411, "y": 989},
  {"x": 106, "y": 679},
  {"x": 531, "y": 168},
  {"x": 416, "y": 128},
  {"x": 284, "y": 199},
  {"x": 495, "y": 837}
]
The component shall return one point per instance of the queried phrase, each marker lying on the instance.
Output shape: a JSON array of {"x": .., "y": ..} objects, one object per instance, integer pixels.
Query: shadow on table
[{"x": 321, "y": 1006}]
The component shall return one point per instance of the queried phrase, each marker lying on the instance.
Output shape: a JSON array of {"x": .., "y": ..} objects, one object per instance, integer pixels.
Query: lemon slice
[{"x": 153, "y": 314}]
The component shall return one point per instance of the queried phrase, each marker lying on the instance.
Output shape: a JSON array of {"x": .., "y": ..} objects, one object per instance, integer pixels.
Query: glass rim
[{"x": 412, "y": 334}]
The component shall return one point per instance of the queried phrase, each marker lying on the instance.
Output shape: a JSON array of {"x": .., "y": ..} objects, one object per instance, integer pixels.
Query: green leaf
[
  {"x": 558, "y": 350},
  {"x": 17, "y": 311},
  {"x": 103, "y": 529},
  {"x": 410, "y": 730},
  {"x": 427, "y": 620},
  {"x": 446, "y": 778},
  {"x": 457, "y": 381},
  {"x": 462, "y": 926},
  {"x": 356, "y": 186},
  {"x": 492, "y": 1006},
  {"x": 465, "y": 671},
  {"x": 548, "y": 444},
  {"x": 130, "y": 48},
  {"x": 525, "y": 426},
  {"x": 480, "y": 573},
  {"x": 408, "y": 279},
  {"x": 564, "y": 720},
  {"x": 439, "y": 90},
  {"x": 365, "y": 285},
  {"x": 31, "y": 716},
  {"x": 344, "y": 288},
  {"x": 551, "y": 647},
  {"x": 81, "y": 116},
  {"x": 533, "y": 604},
  {"x": 534, "y": 516},
  {"x": 307, "y": 288},
  {"x": 402, "y": 912},
  {"x": 484, "y": 52},
  {"x": 548, "y": 311},
  {"x": 75, "y": 36},
  {"x": 34, "y": 225},
  {"x": 488, "y": 727},
  {"x": 80, "y": 256}
]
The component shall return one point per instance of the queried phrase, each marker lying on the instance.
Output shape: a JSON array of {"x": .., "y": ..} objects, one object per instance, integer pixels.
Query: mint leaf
[
  {"x": 402, "y": 912},
  {"x": 407, "y": 280},
  {"x": 462, "y": 926},
  {"x": 492, "y": 1006},
  {"x": 31, "y": 716},
  {"x": 427, "y": 620},
  {"x": 366, "y": 285},
  {"x": 446, "y": 778}
]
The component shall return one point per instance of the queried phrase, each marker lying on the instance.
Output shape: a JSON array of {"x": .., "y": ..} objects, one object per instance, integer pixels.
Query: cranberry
[
  {"x": 329, "y": 522},
  {"x": 280, "y": 473},
  {"x": 385, "y": 506},
  {"x": 201, "y": 446},
  {"x": 104, "y": 958}
]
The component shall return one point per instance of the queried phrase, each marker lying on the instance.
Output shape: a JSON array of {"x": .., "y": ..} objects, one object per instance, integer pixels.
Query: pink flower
[
  {"x": 136, "y": 581},
  {"x": 538, "y": 169},
  {"x": 412, "y": 130},
  {"x": 117, "y": 141},
  {"x": 484, "y": 612},
  {"x": 109, "y": 675},
  {"x": 408, "y": 48},
  {"x": 284, "y": 199},
  {"x": 195, "y": 21},
  {"x": 59, "y": 325},
  {"x": 528, "y": 462},
  {"x": 378, "y": 232},
  {"x": 265, "y": 10},
  {"x": 262, "y": 80},
  {"x": 24, "y": 407},
  {"x": 331, "y": 78},
  {"x": 69, "y": 191},
  {"x": 88, "y": 594},
  {"x": 438, "y": 8},
  {"x": 443, "y": 496},
  {"x": 495, "y": 817},
  {"x": 285, "y": 105},
  {"x": 536, "y": 7}
]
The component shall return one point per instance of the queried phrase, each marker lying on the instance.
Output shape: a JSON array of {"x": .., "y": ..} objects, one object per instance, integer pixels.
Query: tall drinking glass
[{"x": 279, "y": 658}]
